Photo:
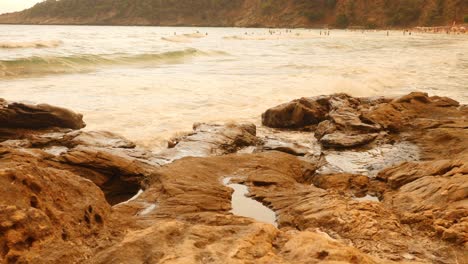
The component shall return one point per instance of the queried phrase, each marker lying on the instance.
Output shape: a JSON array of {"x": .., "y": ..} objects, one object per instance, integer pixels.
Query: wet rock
[
  {"x": 348, "y": 118},
  {"x": 407, "y": 117},
  {"x": 102, "y": 139},
  {"x": 341, "y": 140},
  {"x": 298, "y": 113},
  {"x": 284, "y": 146},
  {"x": 17, "y": 115},
  {"x": 324, "y": 128},
  {"x": 413, "y": 97},
  {"x": 339, "y": 122},
  {"x": 415, "y": 111},
  {"x": 369, "y": 161},
  {"x": 211, "y": 139},
  {"x": 343, "y": 110},
  {"x": 297, "y": 143}
]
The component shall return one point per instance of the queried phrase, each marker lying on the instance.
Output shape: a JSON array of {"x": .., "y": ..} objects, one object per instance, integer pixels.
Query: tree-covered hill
[{"x": 265, "y": 13}]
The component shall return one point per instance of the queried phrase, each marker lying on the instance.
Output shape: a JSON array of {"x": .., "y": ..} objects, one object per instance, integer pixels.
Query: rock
[
  {"x": 407, "y": 172},
  {"x": 16, "y": 115},
  {"x": 44, "y": 211},
  {"x": 102, "y": 139},
  {"x": 252, "y": 243},
  {"x": 342, "y": 109},
  {"x": 318, "y": 247},
  {"x": 407, "y": 117},
  {"x": 195, "y": 195},
  {"x": 211, "y": 139},
  {"x": 298, "y": 113},
  {"x": 324, "y": 128},
  {"x": 205, "y": 230},
  {"x": 287, "y": 147},
  {"x": 75, "y": 196},
  {"x": 369, "y": 161},
  {"x": 341, "y": 140},
  {"x": 117, "y": 174},
  {"x": 413, "y": 97},
  {"x": 338, "y": 112},
  {"x": 431, "y": 196},
  {"x": 358, "y": 185},
  {"x": 412, "y": 111}
]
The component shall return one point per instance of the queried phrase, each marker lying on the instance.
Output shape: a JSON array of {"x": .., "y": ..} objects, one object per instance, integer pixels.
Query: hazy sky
[{"x": 16, "y": 5}]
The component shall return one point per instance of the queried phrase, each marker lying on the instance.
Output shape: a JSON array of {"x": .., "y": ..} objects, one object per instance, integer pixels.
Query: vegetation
[
  {"x": 339, "y": 13},
  {"x": 315, "y": 15},
  {"x": 465, "y": 19},
  {"x": 435, "y": 14},
  {"x": 268, "y": 7},
  {"x": 342, "y": 21},
  {"x": 404, "y": 12}
]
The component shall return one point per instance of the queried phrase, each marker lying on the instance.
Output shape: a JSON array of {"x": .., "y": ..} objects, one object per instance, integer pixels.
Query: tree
[{"x": 342, "y": 21}]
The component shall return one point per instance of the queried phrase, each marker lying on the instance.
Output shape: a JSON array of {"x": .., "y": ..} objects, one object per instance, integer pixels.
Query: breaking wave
[
  {"x": 185, "y": 38},
  {"x": 43, "y": 65},
  {"x": 33, "y": 44}
]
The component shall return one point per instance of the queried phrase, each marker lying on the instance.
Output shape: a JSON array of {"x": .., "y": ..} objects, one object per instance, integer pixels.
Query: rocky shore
[{"x": 351, "y": 180}]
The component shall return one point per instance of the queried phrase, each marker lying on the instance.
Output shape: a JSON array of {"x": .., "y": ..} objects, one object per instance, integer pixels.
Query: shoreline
[
  {"x": 449, "y": 30},
  {"x": 351, "y": 28}
]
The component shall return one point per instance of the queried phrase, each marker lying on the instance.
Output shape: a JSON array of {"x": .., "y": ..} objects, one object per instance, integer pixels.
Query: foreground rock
[{"x": 73, "y": 196}]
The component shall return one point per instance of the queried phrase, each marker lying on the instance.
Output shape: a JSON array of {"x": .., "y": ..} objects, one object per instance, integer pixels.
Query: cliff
[{"x": 244, "y": 13}]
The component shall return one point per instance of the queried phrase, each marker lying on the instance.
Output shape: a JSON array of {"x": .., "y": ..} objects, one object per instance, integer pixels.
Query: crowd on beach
[{"x": 455, "y": 29}]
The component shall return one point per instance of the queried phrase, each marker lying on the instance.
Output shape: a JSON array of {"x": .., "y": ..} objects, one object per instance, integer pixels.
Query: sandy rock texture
[{"x": 75, "y": 196}]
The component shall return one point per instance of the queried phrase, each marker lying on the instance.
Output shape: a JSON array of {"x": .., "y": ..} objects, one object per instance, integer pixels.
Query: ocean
[{"x": 150, "y": 83}]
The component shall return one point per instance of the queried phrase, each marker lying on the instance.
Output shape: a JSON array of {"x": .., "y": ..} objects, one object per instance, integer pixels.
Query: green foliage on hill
[
  {"x": 148, "y": 9},
  {"x": 403, "y": 12},
  {"x": 339, "y": 13},
  {"x": 465, "y": 19},
  {"x": 342, "y": 21}
]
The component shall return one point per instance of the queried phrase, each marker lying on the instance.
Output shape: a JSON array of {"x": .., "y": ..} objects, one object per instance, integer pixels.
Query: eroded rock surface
[{"x": 73, "y": 196}]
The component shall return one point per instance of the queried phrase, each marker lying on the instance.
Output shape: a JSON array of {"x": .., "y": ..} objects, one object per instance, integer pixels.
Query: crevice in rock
[
  {"x": 117, "y": 190},
  {"x": 34, "y": 202},
  {"x": 98, "y": 219}
]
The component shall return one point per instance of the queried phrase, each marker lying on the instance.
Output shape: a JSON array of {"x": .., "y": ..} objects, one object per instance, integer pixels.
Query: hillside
[{"x": 249, "y": 13}]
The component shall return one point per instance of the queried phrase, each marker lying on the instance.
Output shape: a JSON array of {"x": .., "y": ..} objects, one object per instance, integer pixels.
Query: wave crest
[
  {"x": 185, "y": 38},
  {"x": 43, "y": 65},
  {"x": 32, "y": 44}
]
